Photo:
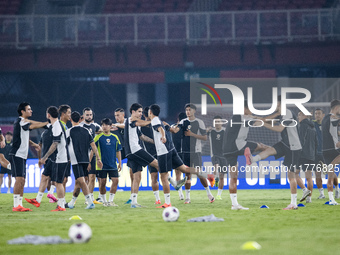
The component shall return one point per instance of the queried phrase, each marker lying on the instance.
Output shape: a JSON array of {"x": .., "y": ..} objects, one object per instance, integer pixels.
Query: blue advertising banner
[{"x": 247, "y": 180}]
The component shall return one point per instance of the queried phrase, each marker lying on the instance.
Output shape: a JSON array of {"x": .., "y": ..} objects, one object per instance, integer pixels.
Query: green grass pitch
[{"x": 123, "y": 230}]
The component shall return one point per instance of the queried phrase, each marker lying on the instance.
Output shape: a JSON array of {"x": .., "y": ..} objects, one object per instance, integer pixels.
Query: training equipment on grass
[
  {"x": 264, "y": 207},
  {"x": 251, "y": 245},
  {"x": 301, "y": 205},
  {"x": 170, "y": 214},
  {"x": 75, "y": 217},
  {"x": 80, "y": 233}
]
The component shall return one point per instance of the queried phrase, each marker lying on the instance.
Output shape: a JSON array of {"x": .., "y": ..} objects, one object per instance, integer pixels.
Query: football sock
[
  {"x": 167, "y": 198},
  {"x": 92, "y": 197},
  {"x": 187, "y": 193},
  {"x": 304, "y": 189},
  {"x": 233, "y": 197},
  {"x": 134, "y": 198},
  {"x": 330, "y": 195},
  {"x": 88, "y": 199},
  {"x": 293, "y": 199},
  {"x": 156, "y": 193},
  {"x": 103, "y": 197},
  {"x": 336, "y": 188},
  {"x": 39, "y": 196},
  {"x": 20, "y": 200},
  {"x": 16, "y": 200},
  {"x": 62, "y": 202},
  {"x": 51, "y": 189},
  {"x": 74, "y": 199},
  {"x": 256, "y": 158},
  {"x": 180, "y": 191},
  {"x": 111, "y": 197},
  {"x": 321, "y": 192},
  {"x": 208, "y": 190},
  {"x": 219, "y": 192}
]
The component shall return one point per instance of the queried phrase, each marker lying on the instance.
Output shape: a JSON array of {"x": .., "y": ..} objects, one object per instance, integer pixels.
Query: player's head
[
  {"x": 181, "y": 116},
  {"x": 318, "y": 114},
  {"x": 302, "y": 116},
  {"x": 217, "y": 121},
  {"x": 24, "y": 110},
  {"x": 154, "y": 110},
  {"x": 65, "y": 112},
  {"x": 146, "y": 113},
  {"x": 75, "y": 117},
  {"x": 136, "y": 110},
  {"x": 87, "y": 115},
  {"x": 119, "y": 115},
  {"x": 190, "y": 110},
  {"x": 106, "y": 125},
  {"x": 9, "y": 136},
  {"x": 52, "y": 112},
  {"x": 335, "y": 106}
]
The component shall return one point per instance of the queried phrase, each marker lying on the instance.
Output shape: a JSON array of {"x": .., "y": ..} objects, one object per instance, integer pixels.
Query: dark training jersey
[
  {"x": 108, "y": 146},
  {"x": 330, "y": 132},
  {"x": 46, "y": 140},
  {"x": 132, "y": 143},
  {"x": 20, "y": 138},
  {"x": 190, "y": 143},
  {"x": 216, "y": 142},
  {"x": 93, "y": 128},
  {"x": 79, "y": 140},
  {"x": 290, "y": 135}
]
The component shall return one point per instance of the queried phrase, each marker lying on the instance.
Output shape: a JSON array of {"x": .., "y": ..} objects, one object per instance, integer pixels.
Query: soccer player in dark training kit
[
  {"x": 93, "y": 128},
  {"x": 61, "y": 165},
  {"x": 289, "y": 147},
  {"x": 216, "y": 135},
  {"x": 331, "y": 145},
  {"x": 193, "y": 132},
  {"x": 5, "y": 148},
  {"x": 150, "y": 147},
  {"x": 109, "y": 148},
  {"x": 19, "y": 151},
  {"x": 80, "y": 141}
]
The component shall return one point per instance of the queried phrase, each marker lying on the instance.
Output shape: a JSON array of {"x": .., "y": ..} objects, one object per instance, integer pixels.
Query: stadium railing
[{"x": 231, "y": 27}]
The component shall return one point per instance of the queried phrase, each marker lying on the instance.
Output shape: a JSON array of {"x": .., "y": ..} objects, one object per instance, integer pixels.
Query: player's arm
[
  {"x": 146, "y": 139},
  {"x": 35, "y": 146},
  {"x": 2, "y": 141},
  {"x": 201, "y": 137},
  {"x": 161, "y": 130},
  {"x": 119, "y": 125},
  {"x": 175, "y": 129},
  {"x": 39, "y": 151},
  {"x": 52, "y": 149},
  {"x": 277, "y": 128},
  {"x": 142, "y": 123},
  {"x": 37, "y": 124},
  {"x": 119, "y": 157},
  {"x": 95, "y": 151}
]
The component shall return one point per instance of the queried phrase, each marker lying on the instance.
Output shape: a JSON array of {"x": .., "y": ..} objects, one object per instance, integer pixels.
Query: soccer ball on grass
[
  {"x": 80, "y": 233},
  {"x": 170, "y": 214}
]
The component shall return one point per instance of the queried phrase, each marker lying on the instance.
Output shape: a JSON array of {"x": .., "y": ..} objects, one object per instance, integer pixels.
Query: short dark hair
[
  {"x": 135, "y": 107},
  {"x": 146, "y": 111},
  {"x": 155, "y": 109},
  {"x": 318, "y": 109},
  {"x": 53, "y": 111},
  {"x": 63, "y": 108},
  {"x": 181, "y": 116},
  {"x": 75, "y": 116},
  {"x": 217, "y": 117},
  {"x": 192, "y": 106},
  {"x": 334, "y": 103},
  {"x": 9, "y": 133},
  {"x": 106, "y": 121},
  {"x": 119, "y": 110},
  {"x": 22, "y": 107},
  {"x": 87, "y": 109}
]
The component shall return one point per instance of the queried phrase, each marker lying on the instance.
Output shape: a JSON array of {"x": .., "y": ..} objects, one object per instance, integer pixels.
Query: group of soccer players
[{"x": 93, "y": 151}]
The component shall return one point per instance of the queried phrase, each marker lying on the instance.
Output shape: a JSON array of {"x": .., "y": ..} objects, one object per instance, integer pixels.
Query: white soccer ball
[
  {"x": 170, "y": 214},
  {"x": 80, "y": 233}
]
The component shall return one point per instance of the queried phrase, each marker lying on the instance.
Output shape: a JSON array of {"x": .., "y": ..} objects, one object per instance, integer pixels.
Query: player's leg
[
  {"x": 43, "y": 184},
  {"x": 178, "y": 174},
  {"x": 9, "y": 175},
  {"x": 318, "y": 180},
  {"x": 293, "y": 190},
  {"x": 19, "y": 173},
  {"x": 166, "y": 189},
  {"x": 220, "y": 185},
  {"x": 309, "y": 178},
  {"x": 336, "y": 186},
  {"x": 332, "y": 158},
  {"x": 60, "y": 170},
  {"x": 114, "y": 185},
  {"x": 269, "y": 151},
  {"x": 102, "y": 186},
  {"x": 154, "y": 184},
  {"x": 76, "y": 189},
  {"x": 137, "y": 176},
  {"x": 1, "y": 180},
  {"x": 165, "y": 164}
]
